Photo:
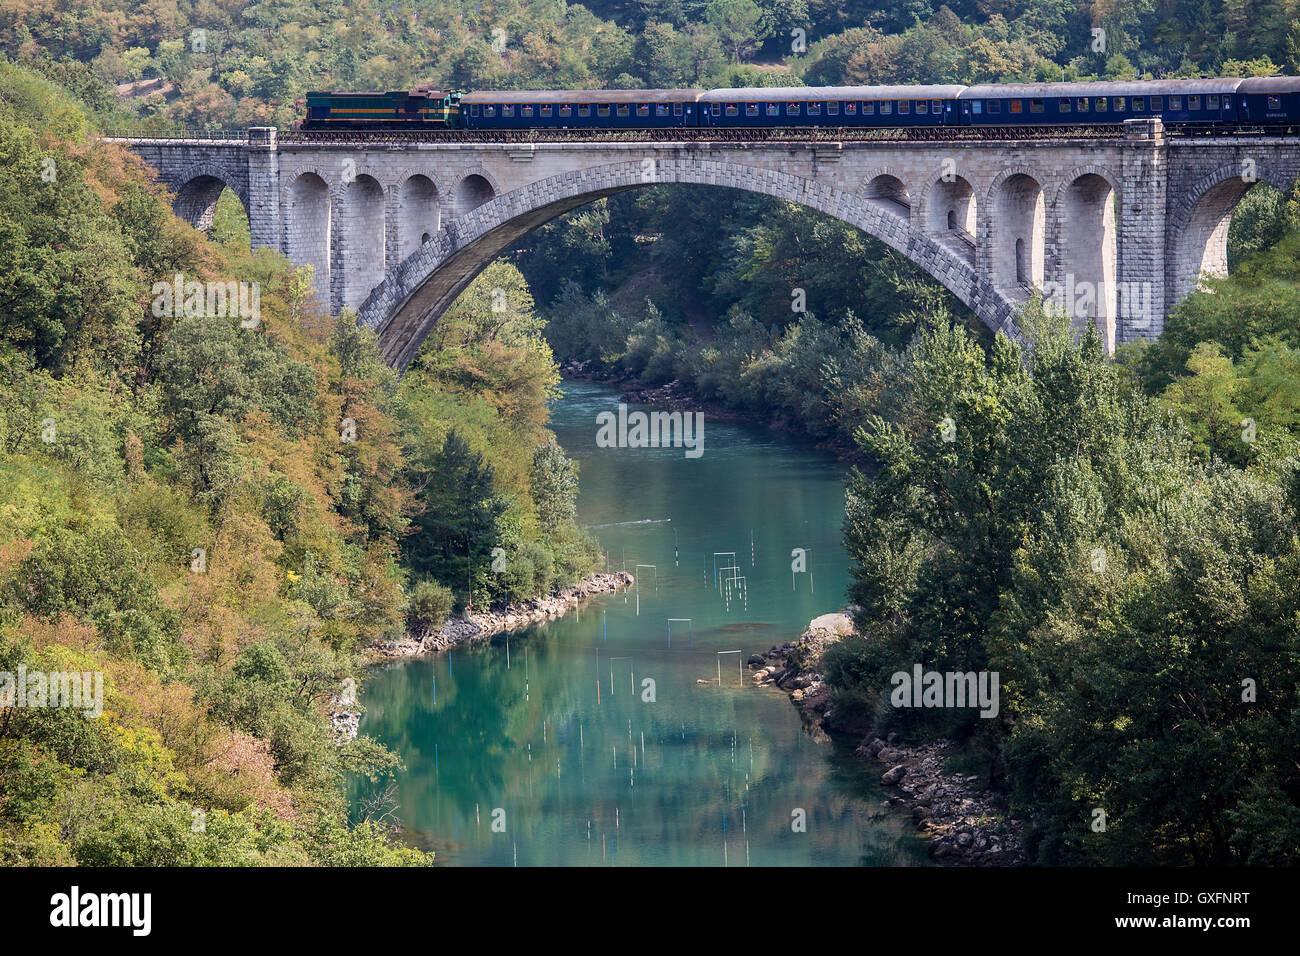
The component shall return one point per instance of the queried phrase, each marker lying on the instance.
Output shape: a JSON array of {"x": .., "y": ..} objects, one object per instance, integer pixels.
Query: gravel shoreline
[
  {"x": 968, "y": 825},
  {"x": 345, "y": 716}
]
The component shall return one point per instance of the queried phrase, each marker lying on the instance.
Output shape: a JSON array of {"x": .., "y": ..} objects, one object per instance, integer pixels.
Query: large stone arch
[
  {"x": 199, "y": 187},
  {"x": 406, "y": 305},
  {"x": 1198, "y": 233}
]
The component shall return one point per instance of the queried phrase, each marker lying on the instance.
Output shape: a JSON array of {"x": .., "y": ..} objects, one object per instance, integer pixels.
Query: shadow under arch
[
  {"x": 404, "y": 308},
  {"x": 197, "y": 190}
]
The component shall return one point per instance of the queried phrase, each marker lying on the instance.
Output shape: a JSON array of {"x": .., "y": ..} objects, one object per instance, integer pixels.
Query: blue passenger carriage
[
  {"x": 578, "y": 109},
  {"x": 1270, "y": 100},
  {"x": 884, "y": 106},
  {"x": 1099, "y": 102}
]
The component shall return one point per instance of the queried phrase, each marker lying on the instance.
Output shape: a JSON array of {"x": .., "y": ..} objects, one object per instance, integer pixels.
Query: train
[{"x": 1272, "y": 101}]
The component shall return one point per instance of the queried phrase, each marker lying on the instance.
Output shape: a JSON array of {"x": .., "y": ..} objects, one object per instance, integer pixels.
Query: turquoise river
[{"x": 616, "y": 736}]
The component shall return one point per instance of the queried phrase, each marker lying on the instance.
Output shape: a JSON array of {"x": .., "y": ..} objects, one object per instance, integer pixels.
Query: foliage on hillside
[
  {"x": 1127, "y": 564},
  {"x": 211, "y": 510}
]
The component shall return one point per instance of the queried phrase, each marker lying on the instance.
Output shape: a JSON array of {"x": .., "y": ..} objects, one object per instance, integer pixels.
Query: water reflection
[{"x": 589, "y": 740}]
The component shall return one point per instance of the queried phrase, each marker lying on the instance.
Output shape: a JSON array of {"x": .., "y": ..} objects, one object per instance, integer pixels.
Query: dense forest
[
  {"x": 1117, "y": 537},
  {"x": 220, "y": 513}
]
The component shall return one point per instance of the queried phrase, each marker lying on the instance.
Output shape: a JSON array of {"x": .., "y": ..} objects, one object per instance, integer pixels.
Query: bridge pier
[{"x": 1141, "y": 256}]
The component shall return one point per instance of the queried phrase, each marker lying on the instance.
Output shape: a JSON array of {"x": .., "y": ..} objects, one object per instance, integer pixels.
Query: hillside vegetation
[{"x": 219, "y": 512}]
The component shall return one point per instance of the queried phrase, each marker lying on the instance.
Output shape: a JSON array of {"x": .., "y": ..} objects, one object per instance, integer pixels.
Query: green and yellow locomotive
[{"x": 421, "y": 108}]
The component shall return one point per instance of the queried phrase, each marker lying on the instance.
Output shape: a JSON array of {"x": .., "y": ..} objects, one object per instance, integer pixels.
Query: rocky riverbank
[
  {"x": 345, "y": 718},
  {"x": 968, "y": 825},
  {"x": 482, "y": 625}
]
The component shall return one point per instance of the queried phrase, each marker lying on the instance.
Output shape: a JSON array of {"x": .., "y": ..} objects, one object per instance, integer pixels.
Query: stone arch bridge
[{"x": 1118, "y": 227}]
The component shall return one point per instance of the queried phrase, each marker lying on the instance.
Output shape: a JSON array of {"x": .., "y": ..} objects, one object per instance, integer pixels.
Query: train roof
[
  {"x": 580, "y": 96},
  {"x": 775, "y": 94},
  {"x": 1270, "y": 84},
  {"x": 1102, "y": 88}
]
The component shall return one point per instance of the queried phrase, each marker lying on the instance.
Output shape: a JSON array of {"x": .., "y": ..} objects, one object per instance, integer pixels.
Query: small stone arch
[
  {"x": 419, "y": 213},
  {"x": 950, "y": 210},
  {"x": 308, "y": 224},
  {"x": 886, "y": 188},
  {"x": 1016, "y": 231},
  {"x": 472, "y": 190},
  {"x": 1199, "y": 231},
  {"x": 360, "y": 250},
  {"x": 198, "y": 189},
  {"x": 1086, "y": 278}
]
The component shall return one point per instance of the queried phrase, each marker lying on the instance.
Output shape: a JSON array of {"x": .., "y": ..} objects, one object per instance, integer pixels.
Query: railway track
[{"x": 798, "y": 136}]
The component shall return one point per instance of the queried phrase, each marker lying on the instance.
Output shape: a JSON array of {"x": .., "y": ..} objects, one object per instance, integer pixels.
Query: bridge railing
[{"x": 220, "y": 135}]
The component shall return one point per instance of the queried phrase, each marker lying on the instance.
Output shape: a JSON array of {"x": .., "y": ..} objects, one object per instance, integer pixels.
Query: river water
[{"x": 615, "y": 736}]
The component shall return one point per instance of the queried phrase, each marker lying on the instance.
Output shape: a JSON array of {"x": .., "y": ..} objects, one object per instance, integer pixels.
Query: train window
[
  {"x": 1081, "y": 104},
  {"x": 1121, "y": 104},
  {"x": 886, "y": 107},
  {"x": 1139, "y": 104},
  {"x": 833, "y": 109},
  {"x": 1212, "y": 101},
  {"x": 715, "y": 109},
  {"x": 868, "y": 108},
  {"x": 1100, "y": 104},
  {"x": 733, "y": 109},
  {"x": 903, "y": 107},
  {"x": 643, "y": 109},
  {"x": 544, "y": 111},
  {"x": 995, "y": 106},
  {"x": 922, "y": 107},
  {"x": 1035, "y": 106},
  {"x": 1157, "y": 103},
  {"x": 473, "y": 110},
  {"x": 936, "y": 106},
  {"x": 584, "y": 109},
  {"x": 661, "y": 109},
  {"x": 850, "y": 109},
  {"x": 525, "y": 111},
  {"x": 566, "y": 110},
  {"x": 1015, "y": 107},
  {"x": 751, "y": 109},
  {"x": 1063, "y": 105},
  {"x": 489, "y": 111},
  {"x": 1275, "y": 101},
  {"x": 1175, "y": 102},
  {"x": 602, "y": 110},
  {"x": 1193, "y": 102},
  {"x": 791, "y": 109},
  {"x": 677, "y": 109},
  {"x": 624, "y": 110},
  {"x": 507, "y": 111},
  {"x": 977, "y": 107},
  {"x": 814, "y": 109},
  {"x": 773, "y": 109}
]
